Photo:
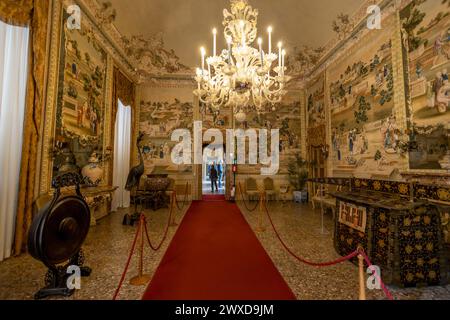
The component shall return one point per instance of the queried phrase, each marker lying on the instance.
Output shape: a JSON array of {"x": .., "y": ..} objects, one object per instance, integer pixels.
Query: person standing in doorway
[
  {"x": 213, "y": 176},
  {"x": 220, "y": 174}
]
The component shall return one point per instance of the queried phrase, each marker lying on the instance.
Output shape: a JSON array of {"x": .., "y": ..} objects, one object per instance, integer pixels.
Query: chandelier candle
[
  {"x": 280, "y": 45},
  {"x": 203, "y": 52},
  {"x": 215, "y": 42},
  {"x": 269, "y": 30},
  {"x": 261, "y": 52}
]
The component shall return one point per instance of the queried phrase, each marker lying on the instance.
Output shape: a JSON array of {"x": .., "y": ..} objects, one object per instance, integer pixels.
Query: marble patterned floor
[{"x": 108, "y": 243}]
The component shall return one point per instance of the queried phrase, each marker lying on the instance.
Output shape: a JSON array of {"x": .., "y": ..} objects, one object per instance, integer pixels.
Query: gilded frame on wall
[
  {"x": 81, "y": 99},
  {"x": 50, "y": 129}
]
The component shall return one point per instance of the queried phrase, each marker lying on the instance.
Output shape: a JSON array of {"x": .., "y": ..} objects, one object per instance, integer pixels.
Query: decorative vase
[
  {"x": 300, "y": 196},
  {"x": 93, "y": 172}
]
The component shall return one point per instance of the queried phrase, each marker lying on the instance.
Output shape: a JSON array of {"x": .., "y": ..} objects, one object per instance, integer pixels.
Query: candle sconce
[{"x": 56, "y": 148}]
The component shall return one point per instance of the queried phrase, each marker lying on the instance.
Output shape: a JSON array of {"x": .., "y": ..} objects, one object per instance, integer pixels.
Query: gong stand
[
  {"x": 131, "y": 219},
  {"x": 57, "y": 234}
]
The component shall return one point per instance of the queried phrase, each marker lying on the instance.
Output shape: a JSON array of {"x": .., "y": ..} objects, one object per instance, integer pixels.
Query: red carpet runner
[{"x": 216, "y": 256}]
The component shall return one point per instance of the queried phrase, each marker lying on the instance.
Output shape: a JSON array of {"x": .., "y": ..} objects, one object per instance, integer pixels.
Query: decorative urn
[{"x": 93, "y": 172}]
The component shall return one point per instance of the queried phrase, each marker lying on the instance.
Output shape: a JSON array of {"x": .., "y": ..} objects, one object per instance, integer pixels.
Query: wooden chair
[
  {"x": 325, "y": 199},
  {"x": 284, "y": 193},
  {"x": 319, "y": 195},
  {"x": 269, "y": 189},
  {"x": 251, "y": 189}
]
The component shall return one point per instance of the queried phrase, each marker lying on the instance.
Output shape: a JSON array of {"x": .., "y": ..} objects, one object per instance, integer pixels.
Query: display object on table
[{"x": 93, "y": 171}]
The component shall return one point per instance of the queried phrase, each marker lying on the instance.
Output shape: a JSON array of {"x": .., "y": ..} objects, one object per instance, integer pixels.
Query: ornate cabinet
[{"x": 404, "y": 238}]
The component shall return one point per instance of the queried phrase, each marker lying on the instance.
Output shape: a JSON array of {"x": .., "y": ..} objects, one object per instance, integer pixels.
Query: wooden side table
[{"x": 99, "y": 201}]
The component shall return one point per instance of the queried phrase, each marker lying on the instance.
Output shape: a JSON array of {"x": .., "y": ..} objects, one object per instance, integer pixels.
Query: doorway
[
  {"x": 316, "y": 166},
  {"x": 213, "y": 159}
]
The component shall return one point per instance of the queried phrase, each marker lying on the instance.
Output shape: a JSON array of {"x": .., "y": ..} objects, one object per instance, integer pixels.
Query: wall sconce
[{"x": 56, "y": 148}]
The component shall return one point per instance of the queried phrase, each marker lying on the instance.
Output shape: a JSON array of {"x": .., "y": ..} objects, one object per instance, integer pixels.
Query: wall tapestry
[
  {"x": 426, "y": 40},
  {"x": 365, "y": 136},
  {"x": 81, "y": 97},
  {"x": 286, "y": 118},
  {"x": 158, "y": 119}
]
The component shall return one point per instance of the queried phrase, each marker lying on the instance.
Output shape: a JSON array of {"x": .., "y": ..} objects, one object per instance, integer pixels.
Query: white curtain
[
  {"x": 13, "y": 80},
  {"x": 122, "y": 150}
]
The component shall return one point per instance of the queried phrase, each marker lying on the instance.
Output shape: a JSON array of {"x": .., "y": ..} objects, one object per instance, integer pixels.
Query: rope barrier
[
  {"x": 142, "y": 226},
  {"x": 185, "y": 198},
  {"x": 127, "y": 265},
  {"x": 243, "y": 200},
  {"x": 357, "y": 252},
  {"x": 156, "y": 248},
  {"x": 383, "y": 286},
  {"x": 313, "y": 264}
]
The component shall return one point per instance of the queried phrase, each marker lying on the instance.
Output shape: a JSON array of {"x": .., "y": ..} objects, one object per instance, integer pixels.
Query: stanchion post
[
  {"x": 262, "y": 199},
  {"x": 173, "y": 223},
  {"x": 362, "y": 278},
  {"x": 141, "y": 279}
]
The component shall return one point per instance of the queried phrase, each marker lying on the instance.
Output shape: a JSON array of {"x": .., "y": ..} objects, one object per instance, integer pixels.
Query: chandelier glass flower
[{"x": 241, "y": 76}]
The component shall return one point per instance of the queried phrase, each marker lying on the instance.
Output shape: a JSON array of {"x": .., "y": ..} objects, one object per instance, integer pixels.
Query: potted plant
[{"x": 298, "y": 176}]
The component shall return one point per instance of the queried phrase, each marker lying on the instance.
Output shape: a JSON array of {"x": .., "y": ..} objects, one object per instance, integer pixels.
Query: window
[{"x": 13, "y": 81}]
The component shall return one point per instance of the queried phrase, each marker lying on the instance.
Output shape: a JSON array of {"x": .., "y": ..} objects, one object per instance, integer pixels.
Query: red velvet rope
[
  {"x": 185, "y": 197},
  {"x": 129, "y": 260},
  {"x": 383, "y": 286},
  {"x": 243, "y": 200},
  {"x": 156, "y": 248},
  {"x": 142, "y": 222},
  {"x": 314, "y": 264},
  {"x": 331, "y": 263}
]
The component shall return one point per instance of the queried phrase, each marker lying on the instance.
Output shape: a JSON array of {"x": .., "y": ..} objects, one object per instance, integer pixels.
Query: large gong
[{"x": 58, "y": 233}]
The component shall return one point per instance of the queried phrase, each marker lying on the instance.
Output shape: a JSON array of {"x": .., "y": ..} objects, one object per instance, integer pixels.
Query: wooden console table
[{"x": 99, "y": 201}]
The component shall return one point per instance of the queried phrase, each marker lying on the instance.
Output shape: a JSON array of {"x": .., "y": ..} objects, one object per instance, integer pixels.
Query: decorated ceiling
[{"x": 163, "y": 37}]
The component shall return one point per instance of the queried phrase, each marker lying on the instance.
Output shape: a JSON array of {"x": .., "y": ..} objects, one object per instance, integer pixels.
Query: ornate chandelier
[{"x": 241, "y": 76}]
